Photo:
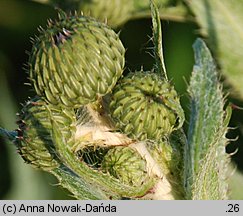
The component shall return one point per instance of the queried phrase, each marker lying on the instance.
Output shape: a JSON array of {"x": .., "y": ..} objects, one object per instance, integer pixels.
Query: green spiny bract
[
  {"x": 144, "y": 106},
  {"x": 75, "y": 61},
  {"x": 34, "y": 141},
  {"x": 125, "y": 164}
]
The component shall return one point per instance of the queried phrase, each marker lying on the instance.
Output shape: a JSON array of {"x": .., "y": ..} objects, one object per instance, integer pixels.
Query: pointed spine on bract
[
  {"x": 34, "y": 140},
  {"x": 145, "y": 106},
  {"x": 75, "y": 61}
]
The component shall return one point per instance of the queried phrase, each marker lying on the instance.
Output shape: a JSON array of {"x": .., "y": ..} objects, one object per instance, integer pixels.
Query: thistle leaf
[
  {"x": 157, "y": 39},
  {"x": 222, "y": 22},
  {"x": 211, "y": 181},
  {"x": 79, "y": 188},
  {"x": 206, "y": 140}
]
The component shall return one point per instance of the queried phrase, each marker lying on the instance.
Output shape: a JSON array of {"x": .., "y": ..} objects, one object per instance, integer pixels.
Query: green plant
[{"x": 105, "y": 139}]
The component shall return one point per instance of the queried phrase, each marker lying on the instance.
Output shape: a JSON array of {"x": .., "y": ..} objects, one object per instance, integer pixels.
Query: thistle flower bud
[
  {"x": 34, "y": 140},
  {"x": 125, "y": 164},
  {"x": 75, "y": 61},
  {"x": 144, "y": 106}
]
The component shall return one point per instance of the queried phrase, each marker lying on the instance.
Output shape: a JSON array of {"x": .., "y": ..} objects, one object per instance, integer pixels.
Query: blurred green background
[{"x": 19, "y": 20}]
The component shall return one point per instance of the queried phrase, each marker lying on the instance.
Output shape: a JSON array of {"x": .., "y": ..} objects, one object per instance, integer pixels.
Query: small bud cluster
[{"x": 89, "y": 119}]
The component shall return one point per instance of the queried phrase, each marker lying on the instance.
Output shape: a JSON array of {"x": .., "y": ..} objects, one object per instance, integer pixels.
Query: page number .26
[{"x": 233, "y": 207}]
